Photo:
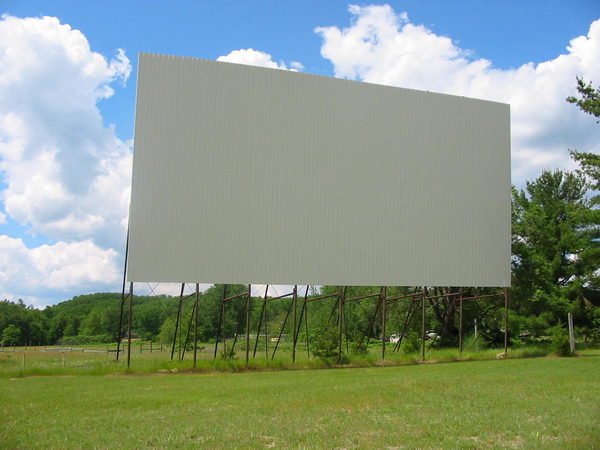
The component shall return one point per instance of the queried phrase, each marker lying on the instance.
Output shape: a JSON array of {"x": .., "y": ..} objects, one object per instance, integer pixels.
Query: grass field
[
  {"x": 515, "y": 403},
  {"x": 96, "y": 360}
]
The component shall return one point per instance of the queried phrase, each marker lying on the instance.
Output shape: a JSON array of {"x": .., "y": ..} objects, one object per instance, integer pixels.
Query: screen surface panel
[{"x": 244, "y": 175}]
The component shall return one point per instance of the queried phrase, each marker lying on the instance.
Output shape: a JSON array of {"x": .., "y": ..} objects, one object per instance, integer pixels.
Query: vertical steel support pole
[
  {"x": 262, "y": 312},
  {"x": 345, "y": 333},
  {"x": 423, "y": 324},
  {"x": 306, "y": 321},
  {"x": 341, "y": 296},
  {"x": 383, "y": 320},
  {"x": 409, "y": 314},
  {"x": 460, "y": 322},
  {"x": 177, "y": 321},
  {"x": 340, "y": 302},
  {"x": 302, "y": 312},
  {"x": 505, "y": 321},
  {"x": 450, "y": 308},
  {"x": 129, "y": 324},
  {"x": 196, "y": 306},
  {"x": 223, "y": 326},
  {"x": 266, "y": 332},
  {"x": 120, "y": 331},
  {"x": 189, "y": 329},
  {"x": 371, "y": 325},
  {"x": 294, "y": 333},
  {"x": 120, "y": 336},
  {"x": 181, "y": 347},
  {"x": 222, "y": 313},
  {"x": 248, "y": 323},
  {"x": 287, "y": 316}
]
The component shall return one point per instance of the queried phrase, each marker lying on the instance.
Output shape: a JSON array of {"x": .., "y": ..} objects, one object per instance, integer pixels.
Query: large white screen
[{"x": 251, "y": 175}]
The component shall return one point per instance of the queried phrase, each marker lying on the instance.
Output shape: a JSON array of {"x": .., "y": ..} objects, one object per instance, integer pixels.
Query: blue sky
[
  {"x": 67, "y": 98},
  {"x": 509, "y": 33}
]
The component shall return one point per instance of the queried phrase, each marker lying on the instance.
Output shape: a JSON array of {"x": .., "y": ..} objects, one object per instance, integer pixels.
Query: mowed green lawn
[{"x": 531, "y": 403}]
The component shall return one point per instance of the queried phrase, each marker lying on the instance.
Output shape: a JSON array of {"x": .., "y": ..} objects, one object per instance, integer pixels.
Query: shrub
[
  {"x": 225, "y": 352},
  {"x": 560, "y": 342},
  {"x": 359, "y": 348},
  {"x": 11, "y": 335},
  {"x": 475, "y": 344},
  {"x": 411, "y": 343},
  {"x": 325, "y": 345}
]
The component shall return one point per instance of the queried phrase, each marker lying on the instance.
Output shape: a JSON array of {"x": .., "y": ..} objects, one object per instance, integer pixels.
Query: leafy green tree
[
  {"x": 148, "y": 319},
  {"x": 56, "y": 327},
  {"x": 94, "y": 323},
  {"x": 30, "y": 321},
  {"x": 589, "y": 164},
  {"x": 38, "y": 333},
  {"x": 326, "y": 344},
  {"x": 588, "y": 101},
  {"x": 589, "y": 98},
  {"x": 11, "y": 335},
  {"x": 167, "y": 332},
  {"x": 553, "y": 245}
]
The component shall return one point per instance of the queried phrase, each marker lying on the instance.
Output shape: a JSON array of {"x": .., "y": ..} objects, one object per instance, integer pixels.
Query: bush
[
  {"x": 225, "y": 352},
  {"x": 475, "y": 344},
  {"x": 411, "y": 343},
  {"x": 359, "y": 348},
  {"x": 560, "y": 342},
  {"x": 325, "y": 345},
  {"x": 11, "y": 335}
]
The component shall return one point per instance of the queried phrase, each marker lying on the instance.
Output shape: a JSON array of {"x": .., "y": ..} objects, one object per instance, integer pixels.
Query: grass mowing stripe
[{"x": 549, "y": 402}]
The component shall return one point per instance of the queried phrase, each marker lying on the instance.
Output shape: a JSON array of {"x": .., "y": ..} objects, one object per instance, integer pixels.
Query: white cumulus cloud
[
  {"x": 48, "y": 273},
  {"x": 57, "y": 156},
  {"x": 381, "y": 46},
  {"x": 66, "y": 175},
  {"x": 253, "y": 57}
]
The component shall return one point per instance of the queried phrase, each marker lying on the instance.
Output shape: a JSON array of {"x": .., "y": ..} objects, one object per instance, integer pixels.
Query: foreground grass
[{"x": 541, "y": 402}]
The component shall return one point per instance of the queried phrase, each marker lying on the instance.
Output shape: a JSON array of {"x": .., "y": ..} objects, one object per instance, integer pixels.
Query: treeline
[{"x": 94, "y": 318}]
